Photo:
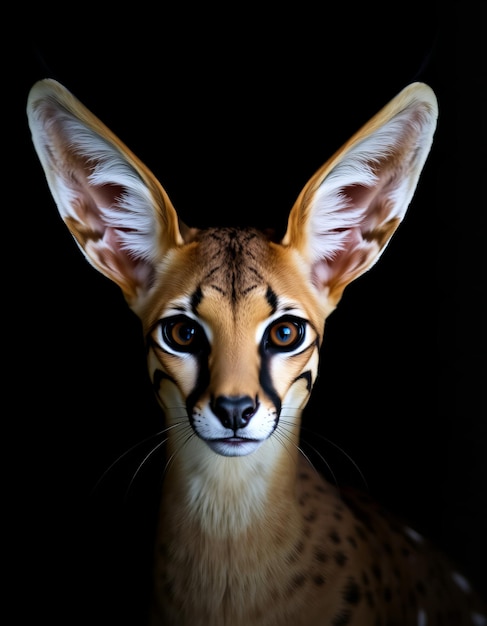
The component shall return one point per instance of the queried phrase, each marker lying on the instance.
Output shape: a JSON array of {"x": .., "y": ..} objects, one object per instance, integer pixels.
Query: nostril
[
  {"x": 247, "y": 413},
  {"x": 234, "y": 411}
]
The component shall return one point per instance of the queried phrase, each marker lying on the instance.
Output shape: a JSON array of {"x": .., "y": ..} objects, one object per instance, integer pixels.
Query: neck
[
  {"x": 226, "y": 496},
  {"x": 230, "y": 529}
]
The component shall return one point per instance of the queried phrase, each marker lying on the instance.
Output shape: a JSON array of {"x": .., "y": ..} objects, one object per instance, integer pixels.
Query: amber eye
[
  {"x": 286, "y": 334},
  {"x": 182, "y": 334}
]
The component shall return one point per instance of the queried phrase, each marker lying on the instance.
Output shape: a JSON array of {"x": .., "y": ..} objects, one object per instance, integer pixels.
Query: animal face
[
  {"x": 234, "y": 341},
  {"x": 233, "y": 320}
]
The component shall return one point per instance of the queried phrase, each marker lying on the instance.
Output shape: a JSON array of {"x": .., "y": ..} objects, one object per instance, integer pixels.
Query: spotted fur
[{"x": 233, "y": 323}]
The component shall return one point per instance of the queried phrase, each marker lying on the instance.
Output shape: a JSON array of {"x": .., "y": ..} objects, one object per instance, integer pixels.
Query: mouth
[{"x": 234, "y": 446}]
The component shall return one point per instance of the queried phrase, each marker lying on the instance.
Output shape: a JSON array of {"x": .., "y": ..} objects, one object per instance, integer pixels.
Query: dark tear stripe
[
  {"x": 202, "y": 382},
  {"x": 158, "y": 376},
  {"x": 266, "y": 382},
  {"x": 307, "y": 377}
]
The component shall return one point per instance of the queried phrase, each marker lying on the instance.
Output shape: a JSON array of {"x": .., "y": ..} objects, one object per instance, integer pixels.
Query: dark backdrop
[{"x": 233, "y": 110}]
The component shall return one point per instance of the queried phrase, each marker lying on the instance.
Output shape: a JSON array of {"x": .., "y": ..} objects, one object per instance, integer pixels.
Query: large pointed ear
[
  {"x": 118, "y": 213},
  {"x": 348, "y": 211}
]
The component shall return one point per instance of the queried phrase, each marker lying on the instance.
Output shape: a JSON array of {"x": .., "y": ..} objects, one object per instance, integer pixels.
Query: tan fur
[{"x": 249, "y": 533}]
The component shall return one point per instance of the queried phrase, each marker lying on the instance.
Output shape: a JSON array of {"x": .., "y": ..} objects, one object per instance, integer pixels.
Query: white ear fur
[
  {"x": 115, "y": 208},
  {"x": 348, "y": 211}
]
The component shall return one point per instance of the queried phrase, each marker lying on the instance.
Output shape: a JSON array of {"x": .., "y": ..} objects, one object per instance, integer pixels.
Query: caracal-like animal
[{"x": 233, "y": 321}]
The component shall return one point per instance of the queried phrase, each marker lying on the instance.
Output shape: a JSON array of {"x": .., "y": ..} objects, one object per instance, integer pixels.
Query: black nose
[{"x": 234, "y": 411}]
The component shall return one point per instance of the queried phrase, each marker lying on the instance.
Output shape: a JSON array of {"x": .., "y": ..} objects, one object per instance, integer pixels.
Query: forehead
[
  {"x": 229, "y": 271},
  {"x": 233, "y": 261}
]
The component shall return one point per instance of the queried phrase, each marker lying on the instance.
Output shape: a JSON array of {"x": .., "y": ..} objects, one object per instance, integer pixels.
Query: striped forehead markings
[
  {"x": 233, "y": 280},
  {"x": 233, "y": 256}
]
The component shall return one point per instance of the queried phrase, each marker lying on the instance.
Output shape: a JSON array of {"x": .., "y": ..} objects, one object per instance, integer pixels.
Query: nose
[{"x": 234, "y": 411}]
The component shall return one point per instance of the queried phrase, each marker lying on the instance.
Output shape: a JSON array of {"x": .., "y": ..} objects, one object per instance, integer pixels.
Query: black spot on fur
[
  {"x": 335, "y": 537},
  {"x": 340, "y": 558},
  {"x": 321, "y": 556},
  {"x": 311, "y": 516},
  {"x": 351, "y": 592},
  {"x": 360, "y": 530},
  {"x": 342, "y": 619}
]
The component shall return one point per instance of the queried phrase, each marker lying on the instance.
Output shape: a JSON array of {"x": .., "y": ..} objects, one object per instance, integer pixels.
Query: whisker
[
  {"x": 170, "y": 460},
  {"x": 340, "y": 449},
  {"x": 126, "y": 453},
  {"x": 139, "y": 468},
  {"x": 318, "y": 453},
  {"x": 303, "y": 429},
  {"x": 305, "y": 456},
  {"x": 180, "y": 423},
  {"x": 283, "y": 438}
]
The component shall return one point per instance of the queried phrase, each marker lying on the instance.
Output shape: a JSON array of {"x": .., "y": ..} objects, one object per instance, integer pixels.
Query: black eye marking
[
  {"x": 196, "y": 299},
  {"x": 271, "y": 298},
  {"x": 285, "y": 334},
  {"x": 158, "y": 377},
  {"x": 307, "y": 377},
  {"x": 183, "y": 334}
]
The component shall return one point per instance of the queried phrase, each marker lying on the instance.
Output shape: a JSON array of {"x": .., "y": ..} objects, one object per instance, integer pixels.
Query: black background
[{"x": 233, "y": 110}]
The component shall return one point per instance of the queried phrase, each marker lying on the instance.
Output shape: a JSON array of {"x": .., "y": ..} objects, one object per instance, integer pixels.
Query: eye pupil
[
  {"x": 284, "y": 333},
  {"x": 183, "y": 333}
]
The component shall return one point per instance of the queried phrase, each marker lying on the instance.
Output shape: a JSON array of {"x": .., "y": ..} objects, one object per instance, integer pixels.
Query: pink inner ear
[
  {"x": 362, "y": 197},
  {"x": 345, "y": 262},
  {"x": 104, "y": 245},
  {"x": 362, "y": 222}
]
